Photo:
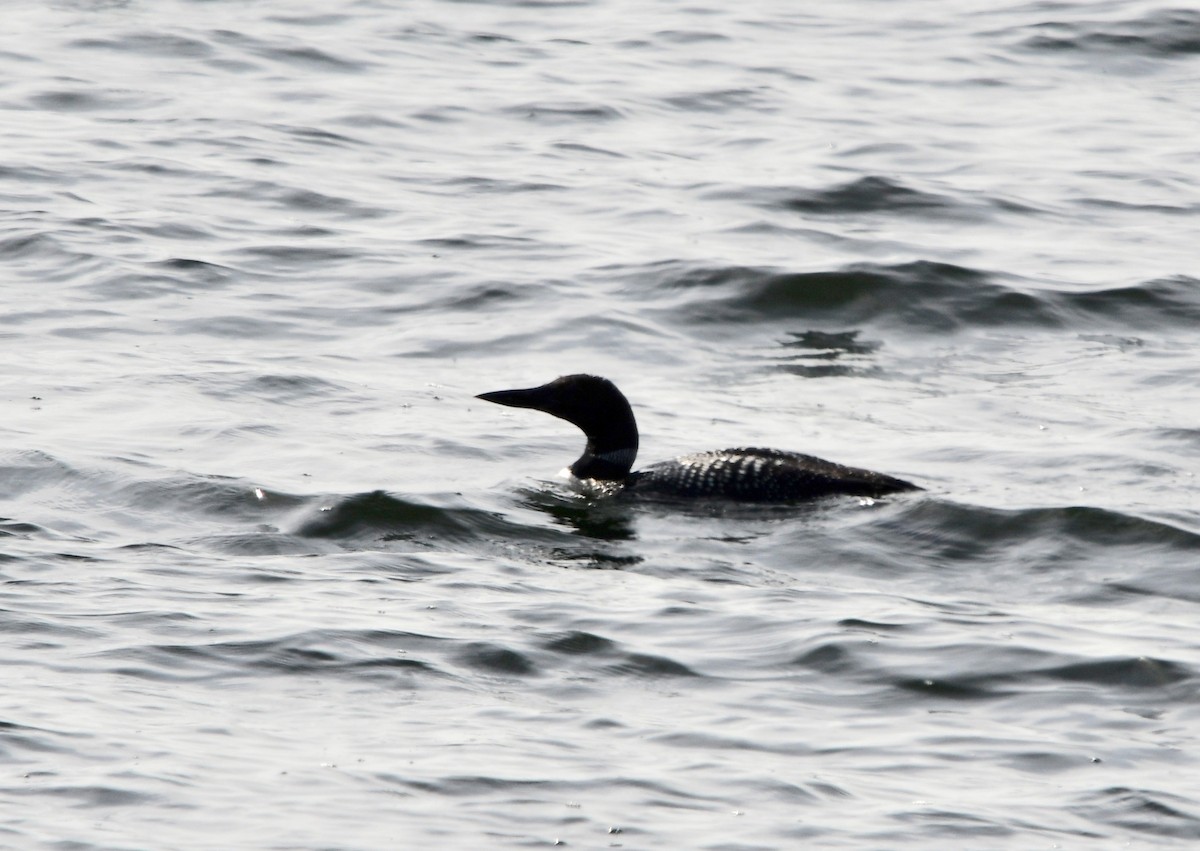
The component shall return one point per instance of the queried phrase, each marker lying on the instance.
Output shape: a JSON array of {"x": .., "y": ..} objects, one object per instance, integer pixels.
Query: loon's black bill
[{"x": 531, "y": 398}]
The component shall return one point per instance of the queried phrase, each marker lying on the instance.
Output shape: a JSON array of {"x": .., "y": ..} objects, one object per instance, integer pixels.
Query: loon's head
[{"x": 598, "y": 408}]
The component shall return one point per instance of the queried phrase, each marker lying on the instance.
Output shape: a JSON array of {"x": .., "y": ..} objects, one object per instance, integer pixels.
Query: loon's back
[{"x": 759, "y": 475}]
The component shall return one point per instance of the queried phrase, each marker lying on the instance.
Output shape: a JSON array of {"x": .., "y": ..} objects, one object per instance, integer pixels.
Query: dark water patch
[
  {"x": 243, "y": 327},
  {"x": 1149, "y": 305},
  {"x": 457, "y": 787},
  {"x": 19, "y": 739},
  {"x": 90, "y": 100},
  {"x": 40, "y": 632},
  {"x": 988, "y": 672},
  {"x": 593, "y": 559},
  {"x": 183, "y": 231},
  {"x": 859, "y": 624},
  {"x": 148, "y": 44},
  {"x": 1116, "y": 341},
  {"x": 1041, "y": 538},
  {"x": 25, "y": 471},
  {"x": 315, "y": 20},
  {"x": 306, "y": 200},
  {"x": 10, "y": 528},
  {"x": 373, "y": 654},
  {"x": 303, "y": 57},
  {"x": 870, "y": 194},
  {"x": 445, "y": 114},
  {"x": 482, "y": 297},
  {"x": 791, "y": 75},
  {"x": 84, "y": 796},
  {"x": 201, "y": 272},
  {"x": 370, "y": 120},
  {"x": 318, "y": 135},
  {"x": 378, "y": 517},
  {"x": 1176, "y": 583},
  {"x": 578, "y": 643},
  {"x": 832, "y": 343},
  {"x": 264, "y": 541},
  {"x": 841, "y": 658},
  {"x": 871, "y": 150},
  {"x": 821, "y": 354},
  {"x": 478, "y": 185},
  {"x": 378, "y": 513},
  {"x": 690, "y": 36},
  {"x": 1182, "y": 439},
  {"x": 961, "y": 826},
  {"x": 720, "y": 100},
  {"x": 564, "y": 112},
  {"x": 653, "y": 795},
  {"x": 96, "y": 332},
  {"x": 492, "y": 38},
  {"x": 234, "y": 66},
  {"x": 708, "y": 741},
  {"x": 599, "y": 520},
  {"x": 496, "y": 659},
  {"x": 158, "y": 620},
  {"x": 1129, "y": 673},
  {"x": 573, "y": 148},
  {"x": 918, "y": 296},
  {"x": 947, "y": 688},
  {"x": 155, "y": 168},
  {"x": 280, "y": 259},
  {"x": 925, "y": 295},
  {"x": 48, "y": 250},
  {"x": 650, "y": 666},
  {"x": 529, "y": 4},
  {"x": 728, "y": 511},
  {"x": 473, "y": 241},
  {"x": 1161, "y": 34},
  {"x": 1139, "y": 209},
  {"x": 235, "y": 432},
  {"x": 1145, "y": 812},
  {"x": 21, "y": 174},
  {"x": 135, "y": 286},
  {"x": 289, "y": 389},
  {"x": 215, "y": 496},
  {"x": 1043, "y": 762}
]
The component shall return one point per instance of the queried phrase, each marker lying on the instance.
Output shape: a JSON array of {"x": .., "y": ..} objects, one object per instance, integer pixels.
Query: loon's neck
[
  {"x": 612, "y": 437},
  {"x": 611, "y": 466}
]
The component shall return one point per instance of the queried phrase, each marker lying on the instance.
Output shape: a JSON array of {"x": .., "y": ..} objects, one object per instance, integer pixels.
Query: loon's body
[{"x": 596, "y": 406}]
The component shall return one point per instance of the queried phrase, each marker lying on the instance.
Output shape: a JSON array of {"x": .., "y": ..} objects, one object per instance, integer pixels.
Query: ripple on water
[
  {"x": 367, "y": 655},
  {"x": 1161, "y": 34},
  {"x": 922, "y": 297},
  {"x": 1149, "y": 812}
]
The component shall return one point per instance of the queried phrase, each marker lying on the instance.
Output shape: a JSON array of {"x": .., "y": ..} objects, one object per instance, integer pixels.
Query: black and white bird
[{"x": 597, "y": 407}]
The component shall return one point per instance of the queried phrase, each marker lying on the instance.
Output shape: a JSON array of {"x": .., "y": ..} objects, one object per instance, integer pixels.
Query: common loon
[{"x": 761, "y": 475}]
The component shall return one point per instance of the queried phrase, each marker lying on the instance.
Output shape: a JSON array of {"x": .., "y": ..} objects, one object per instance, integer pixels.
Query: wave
[
  {"x": 1164, "y": 34},
  {"x": 1150, "y": 812},
  {"x": 390, "y": 655},
  {"x": 920, "y": 295}
]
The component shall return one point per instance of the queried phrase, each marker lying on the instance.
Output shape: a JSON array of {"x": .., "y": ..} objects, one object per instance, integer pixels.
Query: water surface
[{"x": 273, "y": 578}]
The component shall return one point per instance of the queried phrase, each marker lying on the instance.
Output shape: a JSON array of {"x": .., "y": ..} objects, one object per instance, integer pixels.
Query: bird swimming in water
[{"x": 597, "y": 407}]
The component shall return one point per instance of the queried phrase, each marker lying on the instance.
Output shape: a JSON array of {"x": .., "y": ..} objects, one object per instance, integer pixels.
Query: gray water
[{"x": 274, "y": 579}]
